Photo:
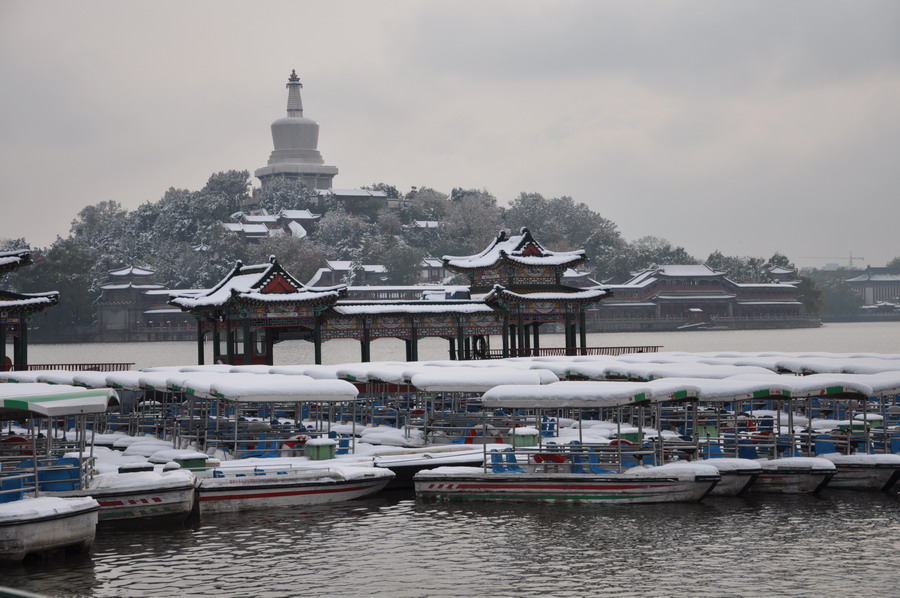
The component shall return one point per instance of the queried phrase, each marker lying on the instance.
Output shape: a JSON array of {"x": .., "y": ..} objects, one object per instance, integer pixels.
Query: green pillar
[
  {"x": 460, "y": 339},
  {"x": 317, "y": 338},
  {"x": 2, "y": 342},
  {"x": 452, "y": 349},
  {"x": 248, "y": 342},
  {"x": 414, "y": 342},
  {"x": 570, "y": 341},
  {"x": 520, "y": 333},
  {"x": 200, "y": 355},
  {"x": 505, "y": 336},
  {"x": 582, "y": 325},
  {"x": 366, "y": 348},
  {"x": 536, "y": 330},
  {"x": 22, "y": 363},
  {"x": 270, "y": 347},
  {"x": 229, "y": 341},
  {"x": 217, "y": 339}
]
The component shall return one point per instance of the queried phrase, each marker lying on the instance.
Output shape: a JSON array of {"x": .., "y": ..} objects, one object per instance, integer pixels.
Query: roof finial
[{"x": 295, "y": 103}]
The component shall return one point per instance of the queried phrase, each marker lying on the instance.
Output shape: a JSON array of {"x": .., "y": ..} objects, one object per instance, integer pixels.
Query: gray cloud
[{"x": 748, "y": 127}]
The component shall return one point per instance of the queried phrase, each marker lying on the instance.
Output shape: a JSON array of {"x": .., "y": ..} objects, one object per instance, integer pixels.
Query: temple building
[
  {"x": 877, "y": 285},
  {"x": 133, "y": 307},
  {"x": 16, "y": 310},
  {"x": 296, "y": 140},
  {"x": 671, "y": 297},
  {"x": 515, "y": 288}
]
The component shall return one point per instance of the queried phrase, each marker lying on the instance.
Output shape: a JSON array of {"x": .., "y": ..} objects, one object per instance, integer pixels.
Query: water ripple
[{"x": 393, "y": 546}]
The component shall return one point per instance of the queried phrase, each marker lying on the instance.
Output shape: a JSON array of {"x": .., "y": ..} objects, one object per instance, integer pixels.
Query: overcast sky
[{"x": 747, "y": 127}]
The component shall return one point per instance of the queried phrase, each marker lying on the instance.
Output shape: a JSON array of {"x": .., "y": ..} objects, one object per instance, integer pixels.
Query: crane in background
[{"x": 850, "y": 260}]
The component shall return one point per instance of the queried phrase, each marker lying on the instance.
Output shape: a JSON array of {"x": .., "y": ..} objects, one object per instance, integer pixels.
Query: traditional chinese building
[
  {"x": 515, "y": 289},
  {"x": 16, "y": 310},
  {"x": 133, "y": 307},
  {"x": 668, "y": 297},
  {"x": 877, "y": 285}
]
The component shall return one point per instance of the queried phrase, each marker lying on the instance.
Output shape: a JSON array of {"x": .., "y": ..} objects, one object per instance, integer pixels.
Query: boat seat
[
  {"x": 512, "y": 466},
  {"x": 580, "y": 463},
  {"x": 595, "y": 466},
  {"x": 64, "y": 479},
  {"x": 746, "y": 449},
  {"x": 497, "y": 464},
  {"x": 12, "y": 489},
  {"x": 713, "y": 450},
  {"x": 825, "y": 444}
]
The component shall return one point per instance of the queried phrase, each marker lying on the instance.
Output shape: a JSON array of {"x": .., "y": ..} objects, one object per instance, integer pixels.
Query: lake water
[
  {"x": 839, "y": 337},
  {"x": 390, "y": 545}
]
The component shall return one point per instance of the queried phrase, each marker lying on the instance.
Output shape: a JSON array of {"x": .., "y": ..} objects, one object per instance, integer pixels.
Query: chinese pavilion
[
  {"x": 515, "y": 288},
  {"x": 16, "y": 310}
]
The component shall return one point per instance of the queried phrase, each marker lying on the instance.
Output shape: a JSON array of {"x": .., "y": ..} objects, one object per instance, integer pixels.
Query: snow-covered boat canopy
[
  {"x": 53, "y": 400},
  {"x": 468, "y": 379},
  {"x": 566, "y": 394},
  {"x": 251, "y": 388}
]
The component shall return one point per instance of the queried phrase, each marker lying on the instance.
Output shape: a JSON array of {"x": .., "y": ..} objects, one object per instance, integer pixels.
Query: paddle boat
[
  {"x": 31, "y": 523},
  {"x": 531, "y": 471},
  {"x": 251, "y": 473},
  {"x": 66, "y": 464}
]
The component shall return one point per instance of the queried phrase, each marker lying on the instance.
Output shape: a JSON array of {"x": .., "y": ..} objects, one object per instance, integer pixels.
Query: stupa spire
[{"x": 295, "y": 102}]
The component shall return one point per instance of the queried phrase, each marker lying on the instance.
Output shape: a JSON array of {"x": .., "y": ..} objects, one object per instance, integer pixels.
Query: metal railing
[
  {"x": 563, "y": 351},
  {"x": 80, "y": 367}
]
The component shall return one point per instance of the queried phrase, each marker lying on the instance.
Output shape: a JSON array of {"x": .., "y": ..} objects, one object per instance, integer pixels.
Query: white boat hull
[
  {"x": 865, "y": 477},
  {"x": 792, "y": 482},
  {"x": 735, "y": 483},
  {"x": 71, "y": 527},
  {"x": 236, "y": 492},
  {"x": 575, "y": 488},
  {"x": 142, "y": 497}
]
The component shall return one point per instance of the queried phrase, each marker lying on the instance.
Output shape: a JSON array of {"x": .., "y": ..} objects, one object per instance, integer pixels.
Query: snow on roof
[
  {"x": 426, "y": 223},
  {"x": 707, "y": 297},
  {"x": 350, "y": 193},
  {"x": 29, "y": 299},
  {"x": 522, "y": 249},
  {"x": 593, "y": 293},
  {"x": 132, "y": 271},
  {"x": 259, "y": 219},
  {"x": 10, "y": 260},
  {"x": 130, "y": 285},
  {"x": 339, "y": 264},
  {"x": 418, "y": 307},
  {"x": 299, "y": 215},
  {"x": 243, "y": 282},
  {"x": 297, "y": 230},
  {"x": 255, "y": 229}
]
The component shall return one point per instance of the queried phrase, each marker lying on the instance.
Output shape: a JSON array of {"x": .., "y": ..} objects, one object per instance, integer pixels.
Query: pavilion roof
[
  {"x": 521, "y": 250},
  {"x": 27, "y": 302},
  {"x": 567, "y": 294},
  {"x": 13, "y": 260},
  {"x": 259, "y": 284}
]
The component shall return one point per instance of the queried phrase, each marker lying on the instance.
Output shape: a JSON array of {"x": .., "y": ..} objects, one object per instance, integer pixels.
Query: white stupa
[{"x": 296, "y": 140}]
